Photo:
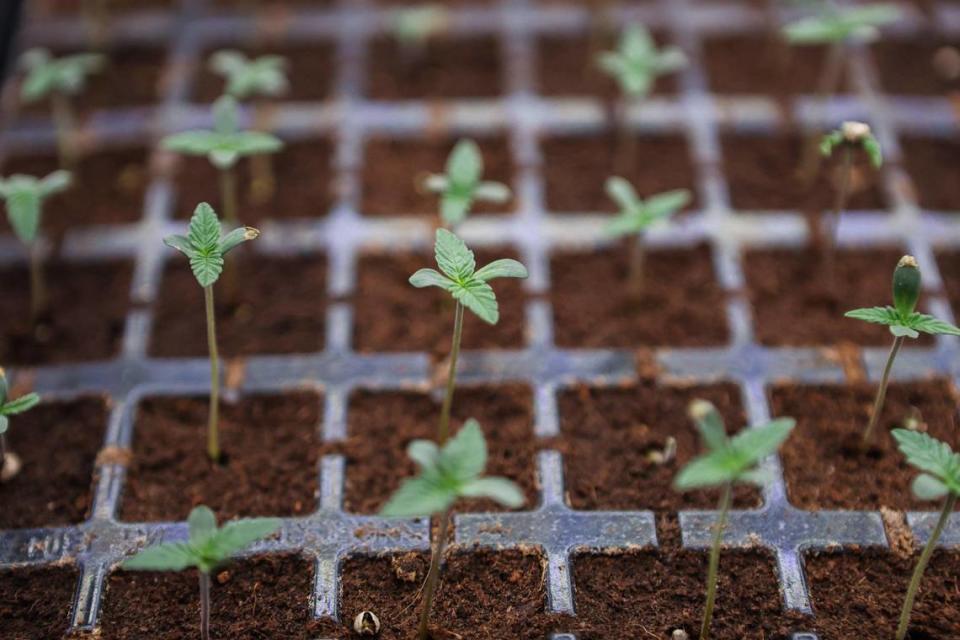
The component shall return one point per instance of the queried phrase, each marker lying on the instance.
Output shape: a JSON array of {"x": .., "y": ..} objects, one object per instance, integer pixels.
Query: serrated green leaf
[
  {"x": 501, "y": 490},
  {"x": 464, "y": 456},
  {"x": 926, "y": 487},
  {"x": 237, "y": 535},
  {"x": 929, "y": 324},
  {"x": 418, "y": 497},
  {"x": 928, "y": 454},
  {"x": 21, "y": 404},
  {"x": 478, "y": 297},
  {"x": 877, "y": 315},
  {"x": 168, "y": 556},
  {"x": 503, "y": 268},
  {"x": 453, "y": 257},
  {"x": 204, "y": 228}
]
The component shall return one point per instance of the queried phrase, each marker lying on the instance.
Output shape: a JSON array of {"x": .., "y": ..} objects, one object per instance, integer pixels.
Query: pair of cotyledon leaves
[
  {"x": 245, "y": 77},
  {"x": 838, "y": 24},
  {"x": 869, "y": 144},
  {"x": 205, "y": 245},
  {"x": 10, "y": 407},
  {"x": 24, "y": 196},
  {"x": 637, "y": 62},
  {"x": 939, "y": 464},
  {"x": 462, "y": 184},
  {"x": 460, "y": 277},
  {"x": 637, "y": 215},
  {"x": 730, "y": 459},
  {"x": 46, "y": 75}
]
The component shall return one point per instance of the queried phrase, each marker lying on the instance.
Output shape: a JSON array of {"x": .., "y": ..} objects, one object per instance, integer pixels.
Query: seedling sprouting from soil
[
  {"x": 224, "y": 146},
  {"x": 463, "y": 184},
  {"x": 847, "y": 139},
  {"x": 59, "y": 79},
  {"x": 727, "y": 461},
  {"x": 206, "y": 248},
  {"x": 904, "y": 322},
  {"x": 207, "y": 548},
  {"x": 447, "y": 473},
  {"x": 413, "y": 26},
  {"x": 636, "y": 217},
  {"x": 258, "y": 79},
  {"x": 9, "y": 464},
  {"x": 470, "y": 289},
  {"x": 939, "y": 478},
  {"x": 24, "y": 196},
  {"x": 836, "y": 27}
]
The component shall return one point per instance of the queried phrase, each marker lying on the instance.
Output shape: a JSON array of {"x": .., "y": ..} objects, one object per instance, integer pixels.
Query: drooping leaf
[
  {"x": 927, "y": 487},
  {"x": 928, "y": 454}
]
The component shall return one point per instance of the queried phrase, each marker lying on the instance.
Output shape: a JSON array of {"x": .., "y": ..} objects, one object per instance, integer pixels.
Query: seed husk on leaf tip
[{"x": 906, "y": 285}]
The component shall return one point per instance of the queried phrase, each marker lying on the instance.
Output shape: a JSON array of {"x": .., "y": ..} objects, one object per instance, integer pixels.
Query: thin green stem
[
  {"x": 826, "y": 87},
  {"x": 443, "y": 428},
  {"x": 714, "y": 564},
  {"x": 228, "y": 195},
  {"x": 213, "y": 429},
  {"x": 433, "y": 575},
  {"x": 948, "y": 507},
  {"x": 65, "y": 123},
  {"x": 38, "y": 287},
  {"x": 882, "y": 390},
  {"x": 839, "y": 204},
  {"x": 204, "y": 605}
]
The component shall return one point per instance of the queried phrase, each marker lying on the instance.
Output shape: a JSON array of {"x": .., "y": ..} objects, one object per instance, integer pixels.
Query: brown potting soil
[
  {"x": 907, "y": 67},
  {"x": 89, "y": 305},
  {"x": 304, "y": 188},
  {"x": 681, "y": 303},
  {"x": 825, "y": 464},
  {"x": 58, "y": 7},
  {"x": 260, "y": 597},
  {"x": 929, "y": 162},
  {"x": 270, "y": 449},
  {"x": 108, "y": 187},
  {"x": 390, "y": 315},
  {"x": 465, "y": 67},
  {"x": 607, "y": 436},
  {"x": 57, "y": 443},
  {"x": 393, "y": 169},
  {"x": 859, "y": 594},
  {"x": 382, "y": 424},
  {"x": 793, "y": 303},
  {"x": 279, "y": 306},
  {"x": 35, "y": 601},
  {"x": 948, "y": 263},
  {"x": 576, "y": 168}
]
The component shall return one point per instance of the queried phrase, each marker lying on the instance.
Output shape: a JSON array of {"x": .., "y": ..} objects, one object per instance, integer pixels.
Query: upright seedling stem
[{"x": 213, "y": 433}]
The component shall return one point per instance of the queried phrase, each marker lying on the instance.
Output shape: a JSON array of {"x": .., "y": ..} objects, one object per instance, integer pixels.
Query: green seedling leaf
[
  {"x": 204, "y": 245},
  {"x": 842, "y": 24},
  {"x": 636, "y": 215},
  {"x": 46, "y": 75},
  {"x": 462, "y": 184},
  {"x": 413, "y": 26},
  {"x": 448, "y": 473},
  {"x": 637, "y": 62},
  {"x": 461, "y": 279},
  {"x": 938, "y": 462},
  {"x": 226, "y": 143},
  {"x": 250, "y": 77},
  {"x": 24, "y": 196},
  {"x": 13, "y": 407},
  {"x": 853, "y": 134}
]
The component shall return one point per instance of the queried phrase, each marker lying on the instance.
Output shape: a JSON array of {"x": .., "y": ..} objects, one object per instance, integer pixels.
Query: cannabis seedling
[
  {"x": 9, "y": 407},
  {"x": 636, "y": 216},
  {"x": 727, "y": 461},
  {"x": 259, "y": 79},
  {"x": 939, "y": 478},
  {"x": 463, "y": 184},
  {"x": 58, "y": 79},
  {"x": 447, "y": 473},
  {"x": 206, "y": 248},
  {"x": 904, "y": 322},
  {"x": 207, "y": 548},
  {"x": 24, "y": 196},
  {"x": 470, "y": 289}
]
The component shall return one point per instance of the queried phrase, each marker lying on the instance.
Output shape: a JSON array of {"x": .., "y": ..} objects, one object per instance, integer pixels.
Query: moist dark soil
[
  {"x": 390, "y": 315},
  {"x": 382, "y": 424},
  {"x": 567, "y": 66},
  {"x": 859, "y": 595},
  {"x": 762, "y": 173},
  {"x": 649, "y": 594},
  {"x": 270, "y": 449},
  {"x": 57, "y": 444},
  {"x": 89, "y": 307},
  {"x": 394, "y": 168},
  {"x": 278, "y": 307},
  {"x": 576, "y": 168},
  {"x": 795, "y": 304},
  {"x": 462, "y": 67},
  {"x": 261, "y": 597},
  {"x": 310, "y": 70},
  {"x": 907, "y": 67},
  {"x": 948, "y": 262},
  {"x": 35, "y": 601},
  {"x": 303, "y": 171},
  {"x": 680, "y": 304},
  {"x": 825, "y": 464},
  {"x": 608, "y": 434},
  {"x": 483, "y": 595},
  {"x": 929, "y": 161},
  {"x": 108, "y": 188}
]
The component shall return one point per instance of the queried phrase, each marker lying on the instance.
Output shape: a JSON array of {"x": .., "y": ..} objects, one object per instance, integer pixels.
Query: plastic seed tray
[{"x": 329, "y": 533}]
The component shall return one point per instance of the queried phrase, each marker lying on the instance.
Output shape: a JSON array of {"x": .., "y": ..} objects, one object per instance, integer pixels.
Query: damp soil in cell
[
  {"x": 928, "y": 161},
  {"x": 915, "y": 67},
  {"x": 35, "y": 602}
]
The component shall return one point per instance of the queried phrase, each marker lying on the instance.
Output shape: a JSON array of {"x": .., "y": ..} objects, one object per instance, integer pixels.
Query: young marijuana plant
[
  {"x": 206, "y": 247},
  {"x": 447, "y": 473},
  {"x": 9, "y": 407},
  {"x": 260, "y": 79},
  {"x": 58, "y": 79},
  {"x": 636, "y": 216},
  {"x": 224, "y": 146},
  {"x": 462, "y": 184},
  {"x": 207, "y": 548},
  {"x": 24, "y": 196},
  {"x": 470, "y": 289},
  {"x": 904, "y": 322},
  {"x": 727, "y": 461},
  {"x": 939, "y": 478}
]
